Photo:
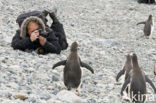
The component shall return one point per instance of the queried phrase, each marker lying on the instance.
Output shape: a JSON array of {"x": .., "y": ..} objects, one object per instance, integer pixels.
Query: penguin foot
[
  {"x": 78, "y": 91},
  {"x": 147, "y": 37},
  {"x": 126, "y": 98}
]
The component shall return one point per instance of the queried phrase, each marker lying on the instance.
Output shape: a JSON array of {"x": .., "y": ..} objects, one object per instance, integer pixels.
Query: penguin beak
[{"x": 127, "y": 54}]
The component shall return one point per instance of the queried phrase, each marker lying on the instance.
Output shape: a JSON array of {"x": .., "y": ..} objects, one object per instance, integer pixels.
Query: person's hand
[
  {"x": 34, "y": 35},
  {"x": 42, "y": 40}
]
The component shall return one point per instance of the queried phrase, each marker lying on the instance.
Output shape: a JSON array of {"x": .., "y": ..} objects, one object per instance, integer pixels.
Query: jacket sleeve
[
  {"x": 52, "y": 44},
  {"x": 20, "y": 43}
]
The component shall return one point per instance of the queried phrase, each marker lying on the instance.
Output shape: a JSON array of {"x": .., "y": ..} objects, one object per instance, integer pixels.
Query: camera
[{"x": 42, "y": 33}]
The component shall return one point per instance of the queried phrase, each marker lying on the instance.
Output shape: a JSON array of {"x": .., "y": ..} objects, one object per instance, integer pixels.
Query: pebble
[{"x": 105, "y": 31}]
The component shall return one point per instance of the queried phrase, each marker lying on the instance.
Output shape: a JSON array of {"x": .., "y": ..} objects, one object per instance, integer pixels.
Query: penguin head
[
  {"x": 135, "y": 60},
  {"x": 74, "y": 46},
  {"x": 128, "y": 56},
  {"x": 150, "y": 17},
  {"x": 134, "y": 56}
]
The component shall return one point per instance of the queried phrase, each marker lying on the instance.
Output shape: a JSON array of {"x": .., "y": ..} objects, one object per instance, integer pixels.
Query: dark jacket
[{"x": 22, "y": 41}]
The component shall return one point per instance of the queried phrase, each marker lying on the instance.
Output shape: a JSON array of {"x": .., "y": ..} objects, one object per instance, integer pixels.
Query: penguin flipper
[
  {"x": 59, "y": 63},
  {"x": 155, "y": 69},
  {"x": 125, "y": 85},
  {"x": 120, "y": 74},
  {"x": 87, "y": 67},
  {"x": 141, "y": 23},
  {"x": 150, "y": 82}
]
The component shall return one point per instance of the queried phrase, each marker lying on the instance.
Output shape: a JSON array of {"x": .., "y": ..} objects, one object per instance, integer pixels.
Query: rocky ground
[{"x": 105, "y": 30}]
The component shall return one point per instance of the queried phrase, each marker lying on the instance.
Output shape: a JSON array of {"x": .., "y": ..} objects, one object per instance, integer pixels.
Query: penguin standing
[
  {"x": 137, "y": 80},
  {"x": 72, "y": 70},
  {"x": 126, "y": 69},
  {"x": 149, "y": 26}
]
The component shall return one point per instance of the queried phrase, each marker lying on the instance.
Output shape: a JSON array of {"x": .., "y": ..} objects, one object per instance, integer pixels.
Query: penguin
[
  {"x": 137, "y": 80},
  {"x": 155, "y": 69},
  {"x": 146, "y": 1},
  {"x": 72, "y": 70},
  {"x": 126, "y": 69},
  {"x": 149, "y": 26}
]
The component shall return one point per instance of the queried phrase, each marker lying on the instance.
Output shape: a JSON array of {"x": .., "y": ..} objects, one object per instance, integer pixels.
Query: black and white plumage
[
  {"x": 149, "y": 26},
  {"x": 72, "y": 70}
]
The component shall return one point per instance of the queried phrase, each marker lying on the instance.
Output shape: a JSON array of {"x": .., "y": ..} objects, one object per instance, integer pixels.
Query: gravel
[{"x": 105, "y": 30}]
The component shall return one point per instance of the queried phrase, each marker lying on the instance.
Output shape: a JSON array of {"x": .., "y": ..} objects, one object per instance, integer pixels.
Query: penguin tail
[{"x": 69, "y": 87}]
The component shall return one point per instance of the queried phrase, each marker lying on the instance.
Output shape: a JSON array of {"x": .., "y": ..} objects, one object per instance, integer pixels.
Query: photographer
[{"x": 35, "y": 35}]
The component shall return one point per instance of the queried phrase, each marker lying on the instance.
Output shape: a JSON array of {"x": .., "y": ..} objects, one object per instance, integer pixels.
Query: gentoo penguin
[
  {"x": 149, "y": 26},
  {"x": 72, "y": 70},
  {"x": 155, "y": 69},
  {"x": 137, "y": 80},
  {"x": 126, "y": 69},
  {"x": 146, "y": 1}
]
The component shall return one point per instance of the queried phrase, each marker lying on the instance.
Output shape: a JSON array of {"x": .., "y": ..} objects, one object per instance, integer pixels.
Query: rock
[
  {"x": 32, "y": 100},
  {"x": 12, "y": 85},
  {"x": 14, "y": 69},
  {"x": 105, "y": 31},
  {"x": 55, "y": 78},
  {"x": 45, "y": 96},
  {"x": 41, "y": 76},
  {"x": 54, "y": 101},
  {"x": 8, "y": 40},
  {"x": 92, "y": 101},
  {"x": 55, "y": 92},
  {"x": 21, "y": 96},
  {"x": 8, "y": 95},
  {"x": 69, "y": 96}
]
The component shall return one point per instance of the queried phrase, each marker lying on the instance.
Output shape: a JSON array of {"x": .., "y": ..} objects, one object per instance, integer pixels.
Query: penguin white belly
[{"x": 152, "y": 27}]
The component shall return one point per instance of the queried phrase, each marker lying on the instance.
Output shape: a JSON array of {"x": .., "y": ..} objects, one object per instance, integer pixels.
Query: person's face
[{"x": 32, "y": 26}]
